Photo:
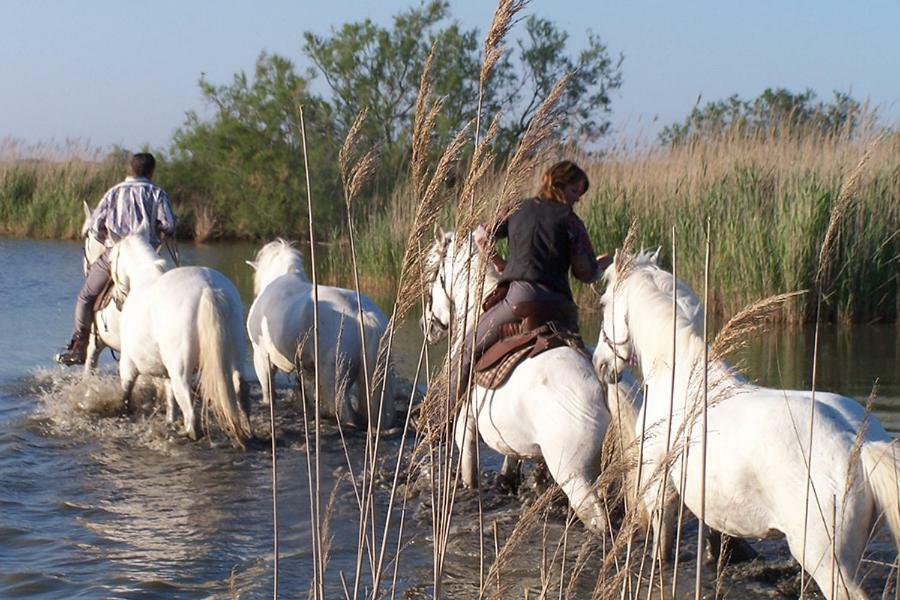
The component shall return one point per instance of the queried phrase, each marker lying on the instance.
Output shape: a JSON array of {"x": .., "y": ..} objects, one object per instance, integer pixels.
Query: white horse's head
[
  {"x": 273, "y": 260},
  {"x": 130, "y": 257},
  {"x": 614, "y": 349},
  {"x": 439, "y": 305},
  {"x": 93, "y": 247},
  {"x": 639, "y": 293},
  {"x": 452, "y": 268}
]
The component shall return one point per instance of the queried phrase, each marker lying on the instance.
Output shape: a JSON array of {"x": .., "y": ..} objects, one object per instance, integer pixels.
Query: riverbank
[{"x": 769, "y": 201}]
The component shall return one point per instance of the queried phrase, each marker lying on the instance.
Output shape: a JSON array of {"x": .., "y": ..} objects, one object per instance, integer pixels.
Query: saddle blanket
[{"x": 498, "y": 362}]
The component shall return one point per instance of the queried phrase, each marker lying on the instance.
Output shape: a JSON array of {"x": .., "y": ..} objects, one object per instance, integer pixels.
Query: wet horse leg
[
  {"x": 465, "y": 443},
  {"x": 170, "y": 403},
  {"x": 510, "y": 474},
  {"x": 127, "y": 376},
  {"x": 181, "y": 389},
  {"x": 576, "y": 474}
]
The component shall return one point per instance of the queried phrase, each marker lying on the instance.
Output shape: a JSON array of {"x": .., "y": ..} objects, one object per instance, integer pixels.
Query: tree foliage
[
  {"x": 379, "y": 67},
  {"x": 240, "y": 172},
  {"x": 243, "y": 168},
  {"x": 774, "y": 111}
]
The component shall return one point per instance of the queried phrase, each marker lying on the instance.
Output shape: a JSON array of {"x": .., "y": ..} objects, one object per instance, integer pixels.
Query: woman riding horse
[{"x": 546, "y": 240}]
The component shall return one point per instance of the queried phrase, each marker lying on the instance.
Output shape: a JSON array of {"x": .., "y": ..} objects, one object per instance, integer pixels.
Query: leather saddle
[{"x": 539, "y": 328}]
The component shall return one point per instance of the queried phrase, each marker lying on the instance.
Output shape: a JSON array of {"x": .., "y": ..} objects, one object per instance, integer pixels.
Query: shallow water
[{"x": 94, "y": 505}]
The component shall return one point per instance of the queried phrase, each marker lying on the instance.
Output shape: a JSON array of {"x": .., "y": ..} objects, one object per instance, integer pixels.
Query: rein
[
  {"x": 173, "y": 252},
  {"x": 631, "y": 359}
]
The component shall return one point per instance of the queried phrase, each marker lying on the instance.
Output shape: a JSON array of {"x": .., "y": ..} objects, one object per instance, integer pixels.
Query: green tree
[
  {"x": 379, "y": 67},
  {"x": 774, "y": 111},
  {"x": 542, "y": 59},
  {"x": 241, "y": 172}
]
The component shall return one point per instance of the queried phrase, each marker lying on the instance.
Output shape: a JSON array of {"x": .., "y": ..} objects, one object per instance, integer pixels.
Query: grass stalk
[
  {"x": 315, "y": 290},
  {"x": 701, "y": 518},
  {"x": 271, "y": 384}
]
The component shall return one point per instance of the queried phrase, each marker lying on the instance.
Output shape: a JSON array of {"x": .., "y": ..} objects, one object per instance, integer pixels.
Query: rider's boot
[{"x": 75, "y": 353}]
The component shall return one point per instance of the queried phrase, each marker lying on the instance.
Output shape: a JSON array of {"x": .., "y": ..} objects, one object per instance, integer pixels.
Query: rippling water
[{"x": 95, "y": 505}]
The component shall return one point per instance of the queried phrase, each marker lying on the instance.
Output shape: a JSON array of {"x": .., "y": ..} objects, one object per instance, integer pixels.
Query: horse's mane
[
  {"x": 138, "y": 249},
  {"x": 449, "y": 243},
  {"x": 275, "y": 259},
  {"x": 654, "y": 286},
  {"x": 435, "y": 256}
]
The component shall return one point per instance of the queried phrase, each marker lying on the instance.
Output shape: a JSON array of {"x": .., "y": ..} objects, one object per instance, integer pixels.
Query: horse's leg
[
  {"x": 242, "y": 390},
  {"x": 853, "y": 517},
  {"x": 465, "y": 442},
  {"x": 181, "y": 389},
  {"x": 820, "y": 565},
  {"x": 170, "y": 402},
  {"x": 664, "y": 519},
  {"x": 575, "y": 467},
  {"x": 734, "y": 550},
  {"x": 127, "y": 377},
  {"x": 94, "y": 348},
  {"x": 264, "y": 371},
  {"x": 510, "y": 475}
]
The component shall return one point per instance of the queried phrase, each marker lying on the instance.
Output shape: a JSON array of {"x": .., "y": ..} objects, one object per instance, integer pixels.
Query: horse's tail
[
  {"x": 882, "y": 467},
  {"x": 380, "y": 375},
  {"x": 217, "y": 362},
  {"x": 622, "y": 438}
]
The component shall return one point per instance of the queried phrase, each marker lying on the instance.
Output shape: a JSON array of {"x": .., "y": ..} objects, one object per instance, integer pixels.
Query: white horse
[
  {"x": 105, "y": 330},
  {"x": 757, "y": 441},
  {"x": 281, "y": 321},
  {"x": 175, "y": 323},
  {"x": 551, "y": 407}
]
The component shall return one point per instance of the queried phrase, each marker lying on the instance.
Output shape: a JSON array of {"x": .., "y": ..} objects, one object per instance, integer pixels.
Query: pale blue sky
[{"x": 113, "y": 72}]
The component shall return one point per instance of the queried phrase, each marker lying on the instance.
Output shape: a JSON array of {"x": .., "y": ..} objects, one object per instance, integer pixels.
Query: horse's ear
[
  {"x": 655, "y": 256},
  {"x": 251, "y": 263},
  {"x": 87, "y": 209},
  {"x": 617, "y": 255},
  {"x": 439, "y": 233}
]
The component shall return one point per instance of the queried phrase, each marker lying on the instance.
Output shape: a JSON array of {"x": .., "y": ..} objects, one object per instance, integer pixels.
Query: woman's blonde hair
[{"x": 558, "y": 176}]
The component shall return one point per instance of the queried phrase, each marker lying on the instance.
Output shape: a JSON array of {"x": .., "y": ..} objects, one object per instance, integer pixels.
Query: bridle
[
  {"x": 612, "y": 345},
  {"x": 429, "y": 304}
]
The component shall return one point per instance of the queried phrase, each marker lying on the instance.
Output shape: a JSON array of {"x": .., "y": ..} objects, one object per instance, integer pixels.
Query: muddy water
[{"x": 95, "y": 505}]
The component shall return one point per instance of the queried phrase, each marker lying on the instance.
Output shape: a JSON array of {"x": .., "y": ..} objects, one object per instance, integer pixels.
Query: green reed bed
[
  {"x": 43, "y": 199},
  {"x": 770, "y": 203},
  {"x": 769, "y": 200}
]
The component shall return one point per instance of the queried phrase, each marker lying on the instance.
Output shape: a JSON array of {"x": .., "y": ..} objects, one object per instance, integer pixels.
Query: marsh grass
[{"x": 770, "y": 198}]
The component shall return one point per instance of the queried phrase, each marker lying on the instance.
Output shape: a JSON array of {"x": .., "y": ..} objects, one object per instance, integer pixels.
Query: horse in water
[
  {"x": 175, "y": 323},
  {"x": 351, "y": 326},
  {"x": 552, "y": 407},
  {"x": 757, "y": 438}
]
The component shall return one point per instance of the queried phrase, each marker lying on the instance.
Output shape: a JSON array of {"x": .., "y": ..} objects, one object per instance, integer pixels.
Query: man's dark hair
[{"x": 142, "y": 165}]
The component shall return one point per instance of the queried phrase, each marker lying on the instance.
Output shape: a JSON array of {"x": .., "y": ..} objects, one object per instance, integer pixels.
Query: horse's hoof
[
  {"x": 191, "y": 433},
  {"x": 729, "y": 550},
  {"x": 508, "y": 485}
]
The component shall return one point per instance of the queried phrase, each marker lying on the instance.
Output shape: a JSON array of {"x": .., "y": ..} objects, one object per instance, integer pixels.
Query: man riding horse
[
  {"x": 546, "y": 240},
  {"x": 121, "y": 211}
]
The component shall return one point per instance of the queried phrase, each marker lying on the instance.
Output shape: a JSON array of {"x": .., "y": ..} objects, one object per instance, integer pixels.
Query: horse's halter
[
  {"x": 442, "y": 281},
  {"x": 612, "y": 345}
]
